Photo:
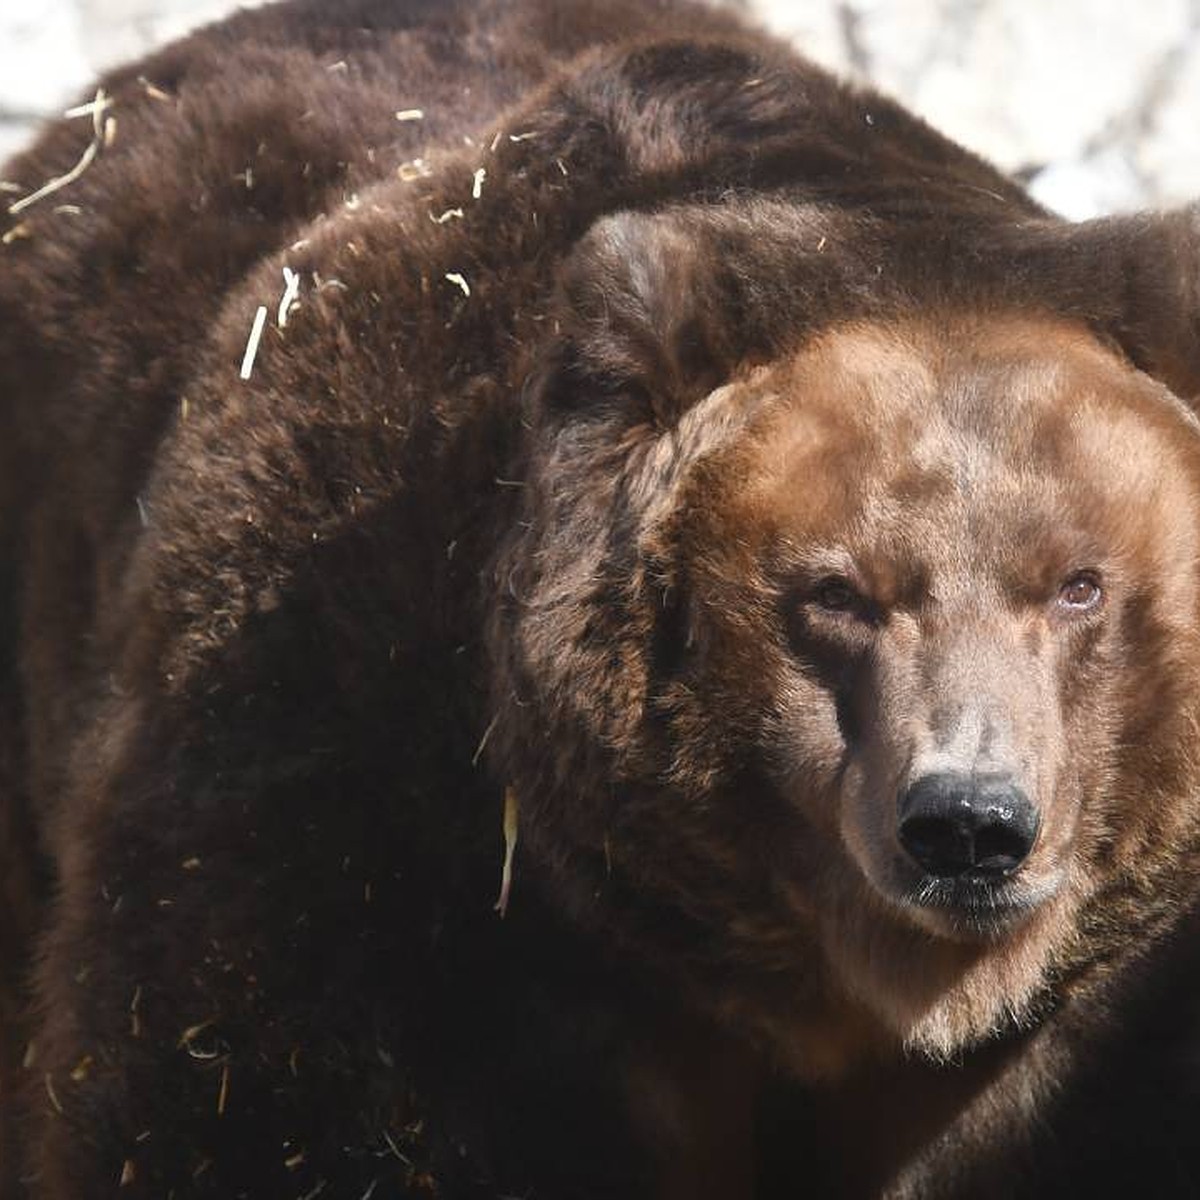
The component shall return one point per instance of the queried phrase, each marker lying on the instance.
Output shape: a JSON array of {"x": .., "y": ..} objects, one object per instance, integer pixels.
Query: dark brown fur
[{"x": 524, "y": 496}]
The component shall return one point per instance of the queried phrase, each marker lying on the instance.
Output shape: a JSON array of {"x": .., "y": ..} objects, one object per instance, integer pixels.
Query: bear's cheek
[
  {"x": 806, "y": 754},
  {"x": 1131, "y": 732}
]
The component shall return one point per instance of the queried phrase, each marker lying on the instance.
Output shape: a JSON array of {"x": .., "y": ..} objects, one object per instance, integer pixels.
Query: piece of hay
[
  {"x": 135, "y": 1020},
  {"x": 291, "y": 291},
  {"x": 60, "y": 181},
  {"x": 416, "y": 168},
  {"x": 191, "y": 1033},
  {"x": 411, "y": 114},
  {"x": 54, "y": 1100},
  {"x": 511, "y": 819},
  {"x": 93, "y": 108},
  {"x": 103, "y": 130},
  {"x": 477, "y": 183},
  {"x": 483, "y": 741},
  {"x": 459, "y": 282},
  {"x": 260, "y": 319},
  {"x": 152, "y": 90}
]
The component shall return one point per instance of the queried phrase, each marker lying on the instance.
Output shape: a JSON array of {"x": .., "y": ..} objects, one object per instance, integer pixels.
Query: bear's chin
[{"x": 937, "y": 987}]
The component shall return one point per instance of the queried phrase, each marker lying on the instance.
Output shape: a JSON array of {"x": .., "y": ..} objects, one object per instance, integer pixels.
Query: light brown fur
[{"x": 956, "y": 472}]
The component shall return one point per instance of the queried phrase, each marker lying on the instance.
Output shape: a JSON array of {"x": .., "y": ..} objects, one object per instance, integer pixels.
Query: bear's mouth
[{"x": 974, "y": 907}]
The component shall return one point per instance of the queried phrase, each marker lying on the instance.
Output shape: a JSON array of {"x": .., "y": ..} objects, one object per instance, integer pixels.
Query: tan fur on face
[{"x": 957, "y": 476}]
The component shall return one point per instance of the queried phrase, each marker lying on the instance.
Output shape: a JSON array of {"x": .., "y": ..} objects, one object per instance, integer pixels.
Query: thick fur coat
[{"x": 649, "y": 444}]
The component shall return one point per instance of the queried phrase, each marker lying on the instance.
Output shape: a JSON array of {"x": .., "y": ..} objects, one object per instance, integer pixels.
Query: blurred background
[{"x": 1094, "y": 103}]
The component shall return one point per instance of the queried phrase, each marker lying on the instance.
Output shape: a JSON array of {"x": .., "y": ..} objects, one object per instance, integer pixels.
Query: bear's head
[{"x": 847, "y": 649}]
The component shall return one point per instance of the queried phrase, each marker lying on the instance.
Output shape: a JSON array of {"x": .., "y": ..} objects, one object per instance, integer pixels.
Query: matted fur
[{"x": 530, "y": 493}]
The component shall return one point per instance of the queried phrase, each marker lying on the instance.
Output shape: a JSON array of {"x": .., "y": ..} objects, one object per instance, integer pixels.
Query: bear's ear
[
  {"x": 644, "y": 316},
  {"x": 1163, "y": 309},
  {"x": 1137, "y": 278}
]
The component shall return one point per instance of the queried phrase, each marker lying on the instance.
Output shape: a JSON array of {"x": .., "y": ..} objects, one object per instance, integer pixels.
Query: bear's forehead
[
  {"x": 979, "y": 433},
  {"x": 967, "y": 403}
]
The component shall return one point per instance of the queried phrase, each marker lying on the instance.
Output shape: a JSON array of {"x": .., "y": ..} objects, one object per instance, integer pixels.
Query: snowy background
[{"x": 1094, "y": 102}]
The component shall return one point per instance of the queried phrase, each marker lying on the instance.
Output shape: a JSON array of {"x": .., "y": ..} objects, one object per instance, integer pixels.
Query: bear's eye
[
  {"x": 1080, "y": 592},
  {"x": 837, "y": 595}
]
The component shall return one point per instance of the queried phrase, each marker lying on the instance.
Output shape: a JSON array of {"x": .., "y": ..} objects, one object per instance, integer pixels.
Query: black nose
[{"x": 965, "y": 825}]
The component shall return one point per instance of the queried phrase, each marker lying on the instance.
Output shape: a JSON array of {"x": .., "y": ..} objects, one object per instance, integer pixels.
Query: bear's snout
[{"x": 960, "y": 826}]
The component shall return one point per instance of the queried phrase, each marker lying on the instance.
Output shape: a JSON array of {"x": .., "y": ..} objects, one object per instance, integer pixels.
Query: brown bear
[{"x": 582, "y": 461}]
